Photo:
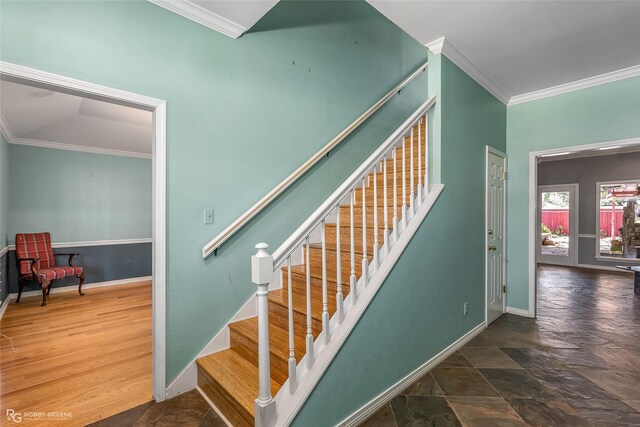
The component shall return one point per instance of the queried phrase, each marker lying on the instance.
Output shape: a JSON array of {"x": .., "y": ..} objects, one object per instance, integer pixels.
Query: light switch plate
[{"x": 208, "y": 216}]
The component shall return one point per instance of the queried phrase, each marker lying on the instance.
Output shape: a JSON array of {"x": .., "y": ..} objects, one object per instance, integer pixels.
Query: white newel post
[{"x": 261, "y": 275}]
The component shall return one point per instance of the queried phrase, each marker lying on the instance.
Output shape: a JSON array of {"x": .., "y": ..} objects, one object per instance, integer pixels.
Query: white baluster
[
  {"x": 365, "y": 261},
  {"x": 411, "y": 180},
  {"x": 395, "y": 193},
  {"x": 293, "y": 381},
  {"x": 426, "y": 153},
  {"x": 309, "y": 338},
  {"x": 420, "y": 161},
  {"x": 261, "y": 275},
  {"x": 385, "y": 211},
  {"x": 376, "y": 245},
  {"x": 325, "y": 294},
  {"x": 352, "y": 280},
  {"x": 339, "y": 296},
  {"x": 404, "y": 184}
]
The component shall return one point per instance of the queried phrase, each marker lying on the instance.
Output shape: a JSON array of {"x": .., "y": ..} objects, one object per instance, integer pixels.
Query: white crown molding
[
  {"x": 444, "y": 46},
  {"x": 436, "y": 46},
  {"x": 5, "y": 128},
  {"x": 72, "y": 147},
  {"x": 202, "y": 16},
  {"x": 91, "y": 243},
  {"x": 576, "y": 85}
]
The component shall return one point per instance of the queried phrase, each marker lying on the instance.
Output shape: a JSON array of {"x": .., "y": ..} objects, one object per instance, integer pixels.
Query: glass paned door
[{"x": 557, "y": 225}]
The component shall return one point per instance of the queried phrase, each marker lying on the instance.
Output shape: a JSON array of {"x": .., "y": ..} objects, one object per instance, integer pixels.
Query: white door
[
  {"x": 557, "y": 232},
  {"x": 495, "y": 230}
]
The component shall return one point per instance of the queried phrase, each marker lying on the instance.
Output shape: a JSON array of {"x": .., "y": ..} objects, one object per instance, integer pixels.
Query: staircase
[{"x": 352, "y": 233}]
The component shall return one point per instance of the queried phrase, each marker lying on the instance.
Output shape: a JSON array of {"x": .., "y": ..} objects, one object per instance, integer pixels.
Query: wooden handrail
[{"x": 280, "y": 188}]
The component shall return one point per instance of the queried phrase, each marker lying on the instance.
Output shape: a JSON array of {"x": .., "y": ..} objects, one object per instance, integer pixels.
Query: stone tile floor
[{"x": 577, "y": 364}]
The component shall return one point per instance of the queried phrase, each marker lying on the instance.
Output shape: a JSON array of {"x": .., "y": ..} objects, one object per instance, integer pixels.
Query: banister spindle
[
  {"x": 261, "y": 275},
  {"x": 293, "y": 381},
  {"x": 411, "y": 180},
  {"x": 339, "y": 296},
  {"x": 376, "y": 245},
  {"x": 353, "y": 289},
  {"x": 325, "y": 294},
  {"x": 420, "y": 193},
  {"x": 385, "y": 211},
  {"x": 404, "y": 183},
  {"x": 426, "y": 153},
  {"x": 395, "y": 192},
  {"x": 309, "y": 337},
  {"x": 365, "y": 261}
]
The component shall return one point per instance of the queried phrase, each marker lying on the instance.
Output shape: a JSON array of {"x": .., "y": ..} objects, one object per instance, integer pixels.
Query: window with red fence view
[{"x": 619, "y": 219}]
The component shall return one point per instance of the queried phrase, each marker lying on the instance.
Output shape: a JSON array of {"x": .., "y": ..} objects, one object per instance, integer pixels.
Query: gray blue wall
[
  {"x": 101, "y": 264},
  {"x": 418, "y": 311},
  {"x": 586, "y": 172}
]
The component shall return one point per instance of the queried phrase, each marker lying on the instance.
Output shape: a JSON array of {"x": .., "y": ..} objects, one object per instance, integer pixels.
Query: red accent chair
[{"x": 36, "y": 261}]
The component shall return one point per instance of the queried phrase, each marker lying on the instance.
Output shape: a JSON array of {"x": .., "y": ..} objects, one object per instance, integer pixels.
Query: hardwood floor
[{"x": 88, "y": 357}]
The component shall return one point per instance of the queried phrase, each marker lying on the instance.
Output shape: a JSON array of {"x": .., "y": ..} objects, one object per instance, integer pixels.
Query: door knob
[
  {"x": 490, "y": 232},
  {"x": 492, "y": 248}
]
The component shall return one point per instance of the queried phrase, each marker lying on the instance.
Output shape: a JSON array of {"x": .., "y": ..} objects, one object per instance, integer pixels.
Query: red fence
[{"x": 553, "y": 218}]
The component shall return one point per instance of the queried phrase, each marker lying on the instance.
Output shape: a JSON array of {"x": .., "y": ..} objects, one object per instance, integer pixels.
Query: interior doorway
[{"x": 44, "y": 82}]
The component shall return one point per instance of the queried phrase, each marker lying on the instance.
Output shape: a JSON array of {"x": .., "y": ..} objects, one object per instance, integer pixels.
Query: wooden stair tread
[
  {"x": 278, "y": 337},
  {"x": 281, "y": 298},
  {"x": 237, "y": 376}
]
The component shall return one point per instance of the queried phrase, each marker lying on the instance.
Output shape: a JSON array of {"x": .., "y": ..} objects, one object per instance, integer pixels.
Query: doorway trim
[
  {"x": 498, "y": 153},
  {"x": 533, "y": 204},
  {"x": 574, "y": 218},
  {"x": 158, "y": 109}
]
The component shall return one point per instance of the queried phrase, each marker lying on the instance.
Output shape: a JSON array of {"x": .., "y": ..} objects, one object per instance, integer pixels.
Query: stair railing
[
  {"x": 215, "y": 243},
  {"x": 265, "y": 267}
]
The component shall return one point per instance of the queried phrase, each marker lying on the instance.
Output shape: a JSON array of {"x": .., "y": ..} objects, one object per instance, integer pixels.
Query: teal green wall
[
  {"x": 418, "y": 311},
  {"x": 4, "y": 190},
  {"x": 602, "y": 113},
  {"x": 78, "y": 196},
  {"x": 241, "y": 116}
]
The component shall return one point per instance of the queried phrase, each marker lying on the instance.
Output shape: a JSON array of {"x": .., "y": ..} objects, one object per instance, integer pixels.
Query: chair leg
[
  {"x": 20, "y": 288},
  {"x": 45, "y": 288},
  {"x": 80, "y": 284}
]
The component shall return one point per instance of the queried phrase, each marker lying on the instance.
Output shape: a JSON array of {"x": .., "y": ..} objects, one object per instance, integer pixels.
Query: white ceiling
[
  {"x": 527, "y": 46},
  {"x": 66, "y": 121}
]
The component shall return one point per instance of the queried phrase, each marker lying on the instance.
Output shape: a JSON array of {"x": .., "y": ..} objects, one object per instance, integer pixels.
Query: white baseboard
[
  {"x": 85, "y": 286},
  {"x": 603, "y": 267},
  {"x": 519, "y": 312},
  {"x": 383, "y": 398},
  {"x": 4, "y": 306}
]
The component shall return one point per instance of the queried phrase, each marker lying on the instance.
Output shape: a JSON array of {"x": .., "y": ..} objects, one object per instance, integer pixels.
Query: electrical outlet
[
  {"x": 208, "y": 216},
  {"x": 466, "y": 308}
]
